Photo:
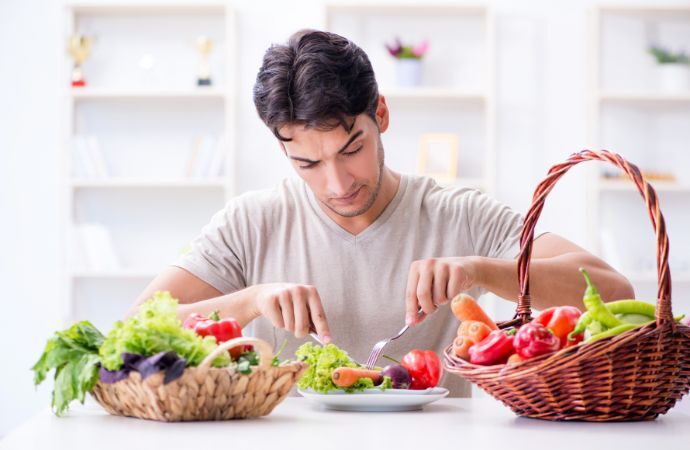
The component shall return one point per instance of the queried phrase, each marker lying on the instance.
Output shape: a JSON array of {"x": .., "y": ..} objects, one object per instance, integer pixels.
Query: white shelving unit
[
  {"x": 174, "y": 94},
  {"x": 145, "y": 124},
  {"x": 457, "y": 91},
  {"x": 148, "y": 183},
  {"x": 631, "y": 114}
]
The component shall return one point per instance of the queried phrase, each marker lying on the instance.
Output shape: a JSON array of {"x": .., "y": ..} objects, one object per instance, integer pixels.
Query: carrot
[
  {"x": 345, "y": 377},
  {"x": 475, "y": 329},
  {"x": 466, "y": 308},
  {"x": 461, "y": 347}
]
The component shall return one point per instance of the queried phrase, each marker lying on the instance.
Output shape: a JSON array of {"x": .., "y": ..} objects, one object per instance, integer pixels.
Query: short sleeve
[
  {"x": 494, "y": 228},
  {"x": 215, "y": 256}
]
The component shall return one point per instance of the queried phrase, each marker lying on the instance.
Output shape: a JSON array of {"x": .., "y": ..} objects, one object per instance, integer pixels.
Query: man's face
[{"x": 342, "y": 169}]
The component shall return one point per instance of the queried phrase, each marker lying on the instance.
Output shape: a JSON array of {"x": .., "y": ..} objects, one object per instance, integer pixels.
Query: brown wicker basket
[
  {"x": 637, "y": 375},
  {"x": 203, "y": 392}
]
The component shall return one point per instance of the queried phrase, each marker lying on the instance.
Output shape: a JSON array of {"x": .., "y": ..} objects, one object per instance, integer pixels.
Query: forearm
[
  {"x": 553, "y": 281},
  {"x": 238, "y": 305}
]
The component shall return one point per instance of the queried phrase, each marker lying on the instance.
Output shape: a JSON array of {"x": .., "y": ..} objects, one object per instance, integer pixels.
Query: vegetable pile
[
  {"x": 152, "y": 341},
  {"x": 480, "y": 342},
  {"x": 154, "y": 329},
  {"x": 331, "y": 368}
]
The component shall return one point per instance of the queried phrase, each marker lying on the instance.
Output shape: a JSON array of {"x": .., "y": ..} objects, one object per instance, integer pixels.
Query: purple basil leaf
[
  {"x": 146, "y": 368},
  {"x": 175, "y": 371},
  {"x": 130, "y": 360},
  {"x": 156, "y": 363},
  {"x": 112, "y": 376},
  {"x": 172, "y": 365},
  {"x": 168, "y": 359}
]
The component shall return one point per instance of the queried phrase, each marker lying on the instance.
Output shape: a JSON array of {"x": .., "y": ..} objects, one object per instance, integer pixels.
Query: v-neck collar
[{"x": 375, "y": 225}]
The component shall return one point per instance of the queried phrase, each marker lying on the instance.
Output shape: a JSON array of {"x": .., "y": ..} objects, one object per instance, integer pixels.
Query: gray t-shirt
[{"x": 283, "y": 235}]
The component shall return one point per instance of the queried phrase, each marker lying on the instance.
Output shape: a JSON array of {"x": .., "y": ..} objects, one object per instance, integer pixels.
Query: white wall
[
  {"x": 29, "y": 126},
  {"x": 541, "y": 119}
]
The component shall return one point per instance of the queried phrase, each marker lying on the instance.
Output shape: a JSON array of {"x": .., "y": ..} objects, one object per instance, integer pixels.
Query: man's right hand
[{"x": 294, "y": 307}]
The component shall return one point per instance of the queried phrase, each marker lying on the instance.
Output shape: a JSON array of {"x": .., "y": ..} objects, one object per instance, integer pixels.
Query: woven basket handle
[
  {"x": 663, "y": 306},
  {"x": 264, "y": 349}
]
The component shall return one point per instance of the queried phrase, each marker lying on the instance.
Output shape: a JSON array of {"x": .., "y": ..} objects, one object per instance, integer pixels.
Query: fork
[
  {"x": 378, "y": 347},
  {"x": 316, "y": 338}
]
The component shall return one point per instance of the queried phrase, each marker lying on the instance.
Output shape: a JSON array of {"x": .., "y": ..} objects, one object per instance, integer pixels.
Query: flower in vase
[{"x": 400, "y": 51}]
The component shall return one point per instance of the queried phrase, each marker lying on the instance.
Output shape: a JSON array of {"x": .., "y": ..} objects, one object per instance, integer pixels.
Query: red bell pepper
[
  {"x": 534, "y": 339},
  {"x": 191, "y": 321},
  {"x": 221, "y": 329},
  {"x": 561, "y": 320},
  {"x": 493, "y": 349},
  {"x": 424, "y": 367}
]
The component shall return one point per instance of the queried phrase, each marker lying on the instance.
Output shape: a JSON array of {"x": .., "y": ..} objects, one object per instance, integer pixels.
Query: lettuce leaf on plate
[{"x": 322, "y": 362}]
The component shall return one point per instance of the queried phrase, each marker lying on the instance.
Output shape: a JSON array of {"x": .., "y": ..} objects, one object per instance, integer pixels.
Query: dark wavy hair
[{"x": 318, "y": 79}]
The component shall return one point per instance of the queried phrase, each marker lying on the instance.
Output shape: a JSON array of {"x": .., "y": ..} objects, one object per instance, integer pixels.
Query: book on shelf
[
  {"x": 206, "y": 158},
  {"x": 97, "y": 247},
  {"x": 87, "y": 158}
]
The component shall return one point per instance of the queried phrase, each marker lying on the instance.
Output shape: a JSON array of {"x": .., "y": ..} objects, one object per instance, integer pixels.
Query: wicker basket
[
  {"x": 203, "y": 392},
  {"x": 637, "y": 375}
]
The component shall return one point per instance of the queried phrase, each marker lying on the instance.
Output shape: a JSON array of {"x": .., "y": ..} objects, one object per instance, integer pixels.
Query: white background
[{"x": 541, "y": 118}]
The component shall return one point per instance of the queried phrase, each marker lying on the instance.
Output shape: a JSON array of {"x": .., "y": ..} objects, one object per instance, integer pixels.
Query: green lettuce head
[{"x": 154, "y": 329}]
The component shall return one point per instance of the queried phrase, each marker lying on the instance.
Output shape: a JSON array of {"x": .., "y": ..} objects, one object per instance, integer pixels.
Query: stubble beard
[{"x": 373, "y": 196}]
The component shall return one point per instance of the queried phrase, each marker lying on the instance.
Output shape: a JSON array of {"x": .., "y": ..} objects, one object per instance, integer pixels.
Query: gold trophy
[
  {"x": 204, "y": 45},
  {"x": 79, "y": 47}
]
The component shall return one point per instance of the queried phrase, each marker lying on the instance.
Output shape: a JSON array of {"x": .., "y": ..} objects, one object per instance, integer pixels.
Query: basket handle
[
  {"x": 663, "y": 305},
  {"x": 264, "y": 348}
]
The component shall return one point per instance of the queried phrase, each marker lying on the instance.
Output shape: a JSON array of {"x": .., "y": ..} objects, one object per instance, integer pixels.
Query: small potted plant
[
  {"x": 673, "y": 68},
  {"x": 408, "y": 61}
]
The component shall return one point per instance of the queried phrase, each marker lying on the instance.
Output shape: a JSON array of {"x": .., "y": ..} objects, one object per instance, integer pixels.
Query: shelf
[
  {"x": 113, "y": 274},
  {"x": 152, "y": 121},
  {"x": 117, "y": 93},
  {"x": 360, "y": 8},
  {"x": 149, "y": 183},
  {"x": 628, "y": 186},
  {"x": 645, "y": 97},
  {"x": 673, "y": 11},
  {"x": 429, "y": 93},
  {"x": 147, "y": 7}
]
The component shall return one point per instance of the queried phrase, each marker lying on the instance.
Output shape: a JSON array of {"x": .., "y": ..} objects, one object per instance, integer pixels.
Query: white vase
[
  {"x": 674, "y": 77},
  {"x": 408, "y": 72}
]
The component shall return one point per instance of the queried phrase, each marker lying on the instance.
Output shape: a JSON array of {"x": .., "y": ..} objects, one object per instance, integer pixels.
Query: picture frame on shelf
[
  {"x": 438, "y": 156},
  {"x": 206, "y": 157}
]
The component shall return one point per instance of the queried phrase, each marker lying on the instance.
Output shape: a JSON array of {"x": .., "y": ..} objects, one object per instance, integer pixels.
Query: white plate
[{"x": 376, "y": 400}]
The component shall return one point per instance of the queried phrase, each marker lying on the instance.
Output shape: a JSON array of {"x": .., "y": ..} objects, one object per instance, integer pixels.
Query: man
[{"x": 354, "y": 249}]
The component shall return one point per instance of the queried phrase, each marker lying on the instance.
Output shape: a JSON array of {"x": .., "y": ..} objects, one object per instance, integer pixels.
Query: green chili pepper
[
  {"x": 627, "y": 311},
  {"x": 595, "y": 328},
  {"x": 614, "y": 331},
  {"x": 595, "y": 305},
  {"x": 632, "y": 307},
  {"x": 581, "y": 325},
  {"x": 634, "y": 318}
]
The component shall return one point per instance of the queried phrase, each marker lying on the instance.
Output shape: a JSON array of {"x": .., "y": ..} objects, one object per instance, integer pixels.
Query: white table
[{"x": 468, "y": 424}]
